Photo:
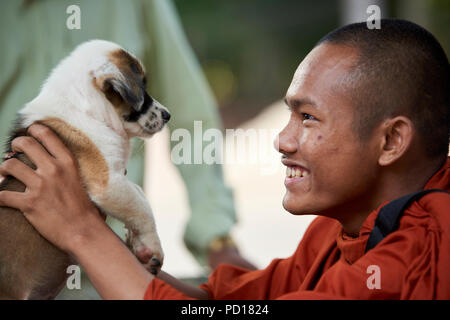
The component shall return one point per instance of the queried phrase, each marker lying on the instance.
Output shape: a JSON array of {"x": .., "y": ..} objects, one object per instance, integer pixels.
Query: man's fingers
[
  {"x": 19, "y": 170},
  {"x": 12, "y": 199},
  {"x": 8, "y": 155},
  {"x": 33, "y": 149},
  {"x": 50, "y": 140}
]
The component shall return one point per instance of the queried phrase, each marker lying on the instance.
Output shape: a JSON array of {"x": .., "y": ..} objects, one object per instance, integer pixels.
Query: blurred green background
[{"x": 250, "y": 49}]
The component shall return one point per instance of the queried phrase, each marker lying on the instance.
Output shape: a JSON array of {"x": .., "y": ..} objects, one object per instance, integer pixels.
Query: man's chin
[{"x": 296, "y": 206}]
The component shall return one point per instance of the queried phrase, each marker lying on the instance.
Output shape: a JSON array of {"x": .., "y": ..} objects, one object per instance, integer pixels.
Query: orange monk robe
[{"x": 413, "y": 262}]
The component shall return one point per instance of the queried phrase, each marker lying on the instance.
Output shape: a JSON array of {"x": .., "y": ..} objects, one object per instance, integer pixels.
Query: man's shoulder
[{"x": 431, "y": 211}]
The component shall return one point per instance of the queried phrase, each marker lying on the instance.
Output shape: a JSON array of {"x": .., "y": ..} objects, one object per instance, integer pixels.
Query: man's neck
[{"x": 392, "y": 184}]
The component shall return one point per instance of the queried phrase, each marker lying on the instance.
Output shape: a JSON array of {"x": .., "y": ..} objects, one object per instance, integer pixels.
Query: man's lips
[
  {"x": 295, "y": 172},
  {"x": 295, "y": 165}
]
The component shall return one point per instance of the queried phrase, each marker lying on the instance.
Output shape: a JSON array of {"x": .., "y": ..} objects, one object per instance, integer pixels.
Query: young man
[{"x": 369, "y": 124}]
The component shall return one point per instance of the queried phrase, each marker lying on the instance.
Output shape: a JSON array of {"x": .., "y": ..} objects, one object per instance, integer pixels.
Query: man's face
[{"x": 329, "y": 171}]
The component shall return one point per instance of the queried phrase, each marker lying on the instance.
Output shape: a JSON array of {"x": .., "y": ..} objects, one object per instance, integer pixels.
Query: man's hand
[
  {"x": 54, "y": 200},
  {"x": 230, "y": 255}
]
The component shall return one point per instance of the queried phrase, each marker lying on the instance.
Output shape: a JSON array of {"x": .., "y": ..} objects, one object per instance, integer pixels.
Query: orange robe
[{"x": 413, "y": 262}]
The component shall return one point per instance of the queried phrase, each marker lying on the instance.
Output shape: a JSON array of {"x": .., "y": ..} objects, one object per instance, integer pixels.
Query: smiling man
[
  {"x": 338, "y": 171},
  {"x": 368, "y": 133}
]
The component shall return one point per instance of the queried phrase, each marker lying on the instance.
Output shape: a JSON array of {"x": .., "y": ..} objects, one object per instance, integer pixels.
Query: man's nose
[{"x": 285, "y": 141}]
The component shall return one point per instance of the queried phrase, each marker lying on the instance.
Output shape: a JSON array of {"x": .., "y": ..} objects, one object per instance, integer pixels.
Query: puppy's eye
[{"x": 134, "y": 68}]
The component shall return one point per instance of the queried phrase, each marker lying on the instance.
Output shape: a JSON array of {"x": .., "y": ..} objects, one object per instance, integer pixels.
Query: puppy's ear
[{"x": 129, "y": 90}]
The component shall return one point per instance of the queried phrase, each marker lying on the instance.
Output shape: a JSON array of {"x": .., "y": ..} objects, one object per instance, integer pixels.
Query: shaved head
[{"x": 401, "y": 70}]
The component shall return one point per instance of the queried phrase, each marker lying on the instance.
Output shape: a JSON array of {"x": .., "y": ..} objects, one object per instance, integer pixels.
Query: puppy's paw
[{"x": 147, "y": 249}]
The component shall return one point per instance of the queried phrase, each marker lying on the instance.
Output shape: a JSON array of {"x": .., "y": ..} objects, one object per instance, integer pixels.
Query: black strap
[{"x": 389, "y": 216}]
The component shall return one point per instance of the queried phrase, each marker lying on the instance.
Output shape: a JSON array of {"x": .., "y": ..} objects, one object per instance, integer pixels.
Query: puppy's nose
[{"x": 165, "y": 115}]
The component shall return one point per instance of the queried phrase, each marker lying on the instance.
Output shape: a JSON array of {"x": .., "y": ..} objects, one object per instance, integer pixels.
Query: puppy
[{"x": 95, "y": 100}]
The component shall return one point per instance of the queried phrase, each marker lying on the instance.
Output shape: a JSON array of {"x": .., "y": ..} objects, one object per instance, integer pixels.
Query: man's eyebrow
[{"x": 296, "y": 103}]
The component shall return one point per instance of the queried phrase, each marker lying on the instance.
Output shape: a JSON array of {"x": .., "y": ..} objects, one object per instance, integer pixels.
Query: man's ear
[
  {"x": 397, "y": 135},
  {"x": 129, "y": 91}
]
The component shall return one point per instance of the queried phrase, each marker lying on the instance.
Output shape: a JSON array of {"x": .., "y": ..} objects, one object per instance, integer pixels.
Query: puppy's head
[{"x": 122, "y": 79}]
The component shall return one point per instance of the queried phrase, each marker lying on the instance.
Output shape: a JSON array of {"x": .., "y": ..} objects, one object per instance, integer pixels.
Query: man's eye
[{"x": 307, "y": 116}]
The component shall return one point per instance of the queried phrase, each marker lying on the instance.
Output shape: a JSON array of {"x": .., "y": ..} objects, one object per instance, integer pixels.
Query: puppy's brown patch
[
  {"x": 126, "y": 62},
  {"x": 93, "y": 167},
  {"x": 30, "y": 266},
  {"x": 132, "y": 70},
  {"x": 133, "y": 76}
]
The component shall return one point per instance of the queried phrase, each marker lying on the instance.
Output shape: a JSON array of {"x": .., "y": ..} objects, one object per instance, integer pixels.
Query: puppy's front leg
[{"x": 126, "y": 202}]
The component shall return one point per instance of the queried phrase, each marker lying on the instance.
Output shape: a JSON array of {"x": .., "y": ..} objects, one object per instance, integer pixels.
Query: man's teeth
[{"x": 293, "y": 172}]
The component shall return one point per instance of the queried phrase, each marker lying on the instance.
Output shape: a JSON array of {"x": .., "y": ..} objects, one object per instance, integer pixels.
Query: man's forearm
[
  {"x": 187, "y": 289},
  {"x": 112, "y": 268},
  {"x": 114, "y": 271}
]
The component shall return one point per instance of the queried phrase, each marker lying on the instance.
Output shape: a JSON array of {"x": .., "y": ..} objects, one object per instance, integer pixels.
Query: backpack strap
[{"x": 388, "y": 218}]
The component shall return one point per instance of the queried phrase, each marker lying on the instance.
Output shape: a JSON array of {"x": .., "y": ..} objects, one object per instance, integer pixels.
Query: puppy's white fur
[{"x": 69, "y": 94}]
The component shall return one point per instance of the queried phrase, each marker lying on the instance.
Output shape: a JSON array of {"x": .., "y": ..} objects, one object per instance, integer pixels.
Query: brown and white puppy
[{"x": 95, "y": 100}]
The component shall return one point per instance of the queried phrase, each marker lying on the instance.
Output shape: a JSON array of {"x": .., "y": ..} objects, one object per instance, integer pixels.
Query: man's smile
[{"x": 295, "y": 175}]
